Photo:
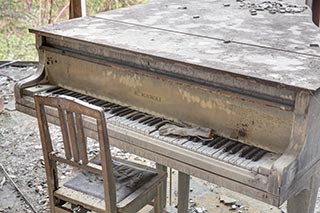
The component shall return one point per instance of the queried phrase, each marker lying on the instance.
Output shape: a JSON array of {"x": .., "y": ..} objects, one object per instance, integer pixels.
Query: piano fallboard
[{"x": 223, "y": 111}]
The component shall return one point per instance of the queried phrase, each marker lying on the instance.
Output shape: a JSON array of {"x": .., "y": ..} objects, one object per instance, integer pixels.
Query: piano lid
[{"x": 282, "y": 48}]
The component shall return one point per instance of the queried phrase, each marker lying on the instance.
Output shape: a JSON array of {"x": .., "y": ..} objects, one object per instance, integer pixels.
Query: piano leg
[
  {"x": 183, "y": 192},
  {"x": 164, "y": 186},
  {"x": 305, "y": 201}
]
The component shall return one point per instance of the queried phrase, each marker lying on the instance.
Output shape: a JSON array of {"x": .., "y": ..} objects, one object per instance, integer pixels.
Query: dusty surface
[{"x": 21, "y": 156}]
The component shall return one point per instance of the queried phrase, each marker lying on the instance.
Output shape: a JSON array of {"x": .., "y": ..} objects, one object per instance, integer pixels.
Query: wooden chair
[{"x": 72, "y": 114}]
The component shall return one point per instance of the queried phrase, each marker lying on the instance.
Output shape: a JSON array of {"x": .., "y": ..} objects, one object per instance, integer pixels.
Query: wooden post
[
  {"x": 77, "y": 8},
  {"x": 164, "y": 186},
  {"x": 183, "y": 192},
  {"x": 316, "y": 12}
]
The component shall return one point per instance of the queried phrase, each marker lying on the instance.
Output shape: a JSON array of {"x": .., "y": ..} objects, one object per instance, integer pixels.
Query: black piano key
[
  {"x": 77, "y": 95},
  {"x": 122, "y": 111},
  {"x": 107, "y": 109},
  {"x": 206, "y": 141},
  {"x": 229, "y": 146},
  {"x": 65, "y": 92},
  {"x": 161, "y": 124},
  {"x": 94, "y": 100},
  {"x": 155, "y": 121},
  {"x": 250, "y": 154},
  {"x": 118, "y": 109},
  {"x": 129, "y": 116},
  {"x": 214, "y": 141},
  {"x": 101, "y": 103},
  {"x": 245, "y": 151},
  {"x": 195, "y": 139},
  {"x": 141, "y": 118},
  {"x": 236, "y": 148},
  {"x": 220, "y": 143},
  {"x": 136, "y": 117},
  {"x": 53, "y": 90},
  {"x": 259, "y": 155},
  {"x": 146, "y": 119},
  {"x": 107, "y": 106},
  {"x": 126, "y": 112},
  {"x": 88, "y": 99},
  {"x": 149, "y": 120},
  {"x": 60, "y": 92}
]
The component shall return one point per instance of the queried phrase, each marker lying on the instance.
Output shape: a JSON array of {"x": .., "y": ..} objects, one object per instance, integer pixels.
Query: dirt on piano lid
[{"x": 281, "y": 47}]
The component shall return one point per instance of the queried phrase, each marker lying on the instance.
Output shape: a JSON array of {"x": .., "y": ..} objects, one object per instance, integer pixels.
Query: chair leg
[
  {"x": 164, "y": 185},
  {"x": 52, "y": 182},
  {"x": 158, "y": 200}
]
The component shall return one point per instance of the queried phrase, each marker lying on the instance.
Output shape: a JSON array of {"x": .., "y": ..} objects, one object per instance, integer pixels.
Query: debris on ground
[
  {"x": 227, "y": 200},
  {"x": 272, "y": 7}
]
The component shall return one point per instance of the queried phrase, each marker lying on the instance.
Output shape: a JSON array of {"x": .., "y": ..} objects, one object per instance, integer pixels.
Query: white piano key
[
  {"x": 192, "y": 145},
  {"x": 161, "y": 137},
  {"x": 180, "y": 141}
]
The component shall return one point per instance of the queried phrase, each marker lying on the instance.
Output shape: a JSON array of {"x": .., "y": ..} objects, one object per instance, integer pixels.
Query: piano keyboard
[{"x": 224, "y": 149}]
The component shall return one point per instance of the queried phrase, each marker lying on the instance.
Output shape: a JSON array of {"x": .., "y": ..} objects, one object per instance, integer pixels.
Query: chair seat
[{"x": 128, "y": 179}]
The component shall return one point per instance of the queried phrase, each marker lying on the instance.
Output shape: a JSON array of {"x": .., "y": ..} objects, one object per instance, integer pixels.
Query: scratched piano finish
[{"x": 253, "y": 79}]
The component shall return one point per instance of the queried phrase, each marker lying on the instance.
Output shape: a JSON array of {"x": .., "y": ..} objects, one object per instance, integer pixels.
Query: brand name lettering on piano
[{"x": 147, "y": 95}]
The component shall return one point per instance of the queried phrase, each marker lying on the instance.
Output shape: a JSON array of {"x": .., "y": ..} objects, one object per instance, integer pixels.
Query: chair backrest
[{"x": 70, "y": 112}]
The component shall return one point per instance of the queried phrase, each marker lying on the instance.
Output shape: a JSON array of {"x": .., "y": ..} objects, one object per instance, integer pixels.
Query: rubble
[
  {"x": 227, "y": 200},
  {"x": 272, "y": 7},
  {"x": 200, "y": 210}
]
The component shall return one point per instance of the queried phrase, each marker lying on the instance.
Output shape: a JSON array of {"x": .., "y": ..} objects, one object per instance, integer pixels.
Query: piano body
[{"x": 253, "y": 79}]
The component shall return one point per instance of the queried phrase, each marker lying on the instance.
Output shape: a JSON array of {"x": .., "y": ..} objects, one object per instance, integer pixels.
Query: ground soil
[{"x": 21, "y": 157}]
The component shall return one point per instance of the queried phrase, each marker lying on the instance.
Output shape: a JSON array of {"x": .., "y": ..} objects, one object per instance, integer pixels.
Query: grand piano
[{"x": 251, "y": 75}]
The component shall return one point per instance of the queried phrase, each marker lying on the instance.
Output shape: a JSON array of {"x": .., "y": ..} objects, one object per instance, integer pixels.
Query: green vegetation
[{"x": 17, "y": 16}]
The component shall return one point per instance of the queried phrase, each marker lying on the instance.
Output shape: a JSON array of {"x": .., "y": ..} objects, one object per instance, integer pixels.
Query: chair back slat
[
  {"x": 65, "y": 135},
  {"x": 81, "y": 139},
  {"x": 73, "y": 136}
]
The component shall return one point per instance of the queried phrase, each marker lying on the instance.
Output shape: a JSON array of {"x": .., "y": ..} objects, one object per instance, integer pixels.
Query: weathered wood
[
  {"x": 65, "y": 135},
  {"x": 60, "y": 209},
  {"x": 77, "y": 8},
  {"x": 38, "y": 76},
  {"x": 315, "y": 6},
  {"x": 74, "y": 110},
  {"x": 50, "y": 165},
  {"x": 183, "y": 192},
  {"x": 82, "y": 140},
  {"x": 106, "y": 164},
  {"x": 164, "y": 185},
  {"x": 73, "y": 137},
  {"x": 79, "y": 198}
]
